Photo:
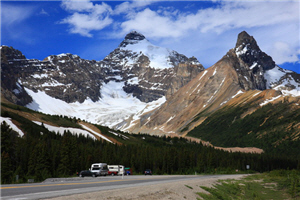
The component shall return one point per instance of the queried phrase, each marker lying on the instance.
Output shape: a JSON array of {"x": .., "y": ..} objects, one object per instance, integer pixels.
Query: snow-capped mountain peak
[
  {"x": 159, "y": 57},
  {"x": 132, "y": 38},
  {"x": 257, "y": 70},
  {"x": 137, "y": 48},
  {"x": 133, "y": 76}
]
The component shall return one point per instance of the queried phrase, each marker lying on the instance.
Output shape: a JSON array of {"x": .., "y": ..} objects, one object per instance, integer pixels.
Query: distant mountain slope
[
  {"x": 244, "y": 68},
  {"x": 105, "y": 92},
  {"x": 24, "y": 120},
  {"x": 263, "y": 119},
  {"x": 140, "y": 87}
]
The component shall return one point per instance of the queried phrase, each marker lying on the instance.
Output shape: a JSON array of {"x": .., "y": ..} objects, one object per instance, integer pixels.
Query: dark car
[
  {"x": 87, "y": 173},
  {"x": 148, "y": 172}
]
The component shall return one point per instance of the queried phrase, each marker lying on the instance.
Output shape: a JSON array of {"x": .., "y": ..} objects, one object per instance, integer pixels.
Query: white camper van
[
  {"x": 100, "y": 169},
  {"x": 116, "y": 170}
]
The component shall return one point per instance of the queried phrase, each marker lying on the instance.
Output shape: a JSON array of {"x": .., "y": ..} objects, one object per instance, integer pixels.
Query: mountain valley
[{"x": 143, "y": 88}]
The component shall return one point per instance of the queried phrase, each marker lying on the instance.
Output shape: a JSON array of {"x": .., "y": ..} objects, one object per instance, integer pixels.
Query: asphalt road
[{"x": 68, "y": 186}]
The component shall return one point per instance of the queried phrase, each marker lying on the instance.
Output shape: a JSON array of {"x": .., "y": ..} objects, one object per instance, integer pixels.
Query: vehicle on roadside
[
  {"x": 148, "y": 172},
  {"x": 128, "y": 171},
  {"x": 100, "y": 169},
  {"x": 116, "y": 170},
  {"x": 86, "y": 173}
]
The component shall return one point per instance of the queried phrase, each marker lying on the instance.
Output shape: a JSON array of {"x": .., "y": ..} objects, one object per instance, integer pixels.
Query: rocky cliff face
[
  {"x": 128, "y": 81},
  {"x": 244, "y": 68},
  {"x": 65, "y": 76},
  {"x": 10, "y": 88},
  {"x": 251, "y": 62},
  {"x": 138, "y": 68},
  {"x": 150, "y": 72},
  {"x": 73, "y": 79}
]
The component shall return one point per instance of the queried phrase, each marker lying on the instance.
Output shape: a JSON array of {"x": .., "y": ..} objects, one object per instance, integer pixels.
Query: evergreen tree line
[{"x": 42, "y": 154}]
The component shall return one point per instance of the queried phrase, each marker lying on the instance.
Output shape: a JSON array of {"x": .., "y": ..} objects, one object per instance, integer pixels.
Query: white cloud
[
  {"x": 80, "y": 6},
  {"x": 228, "y": 16},
  {"x": 11, "y": 14},
  {"x": 86, "y": 16},
  {"x": 274, "y": 24},
  {"x": 277, "y": 21},
  {"x": 14, "y": 24},
  {"x": 283, "y": 52},
  {"x": 84, "y": 23},
  {"x": 43, "y": 12},
  {"x": 152, "y": 25},
  {"x": 128, "y": 7}
]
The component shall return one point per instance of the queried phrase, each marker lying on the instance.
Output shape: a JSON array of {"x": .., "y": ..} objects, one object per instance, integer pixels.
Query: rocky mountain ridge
[
  {"x": 142, "y": 66},
  {"x": 136, "y": 69},
  {"x": 126, "y": 90},
  {"x": 71, "y": 78},
  {"x": 243, "y": 69}
]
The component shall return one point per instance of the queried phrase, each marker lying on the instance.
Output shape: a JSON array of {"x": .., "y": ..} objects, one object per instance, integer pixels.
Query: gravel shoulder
[{"x": 174, "y": 190}]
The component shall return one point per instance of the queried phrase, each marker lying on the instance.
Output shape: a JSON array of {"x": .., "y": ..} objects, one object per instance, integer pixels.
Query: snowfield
[{"x": 113, "y": 108}]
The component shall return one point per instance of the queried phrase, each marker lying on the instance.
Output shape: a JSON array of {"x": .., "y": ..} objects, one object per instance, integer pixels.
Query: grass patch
[
  {"x": 17, "y": 107},
  {"x": 189, "y": 187},
  {"x": 279, "y": 184},
  {"x": 61, "y": 121}
]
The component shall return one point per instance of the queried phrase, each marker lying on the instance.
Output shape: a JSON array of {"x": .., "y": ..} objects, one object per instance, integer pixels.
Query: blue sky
[{"x": 204, "y": 29}]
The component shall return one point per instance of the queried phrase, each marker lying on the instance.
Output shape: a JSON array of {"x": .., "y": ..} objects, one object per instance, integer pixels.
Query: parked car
[
  {"x": 148, "y": 172},
  {"x": 87, "y": 173}
]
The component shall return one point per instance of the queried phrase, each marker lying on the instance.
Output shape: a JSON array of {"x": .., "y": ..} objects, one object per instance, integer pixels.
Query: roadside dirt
[
  {"x": 163, "y": 191},
  {"x": 229, "y": 149}
]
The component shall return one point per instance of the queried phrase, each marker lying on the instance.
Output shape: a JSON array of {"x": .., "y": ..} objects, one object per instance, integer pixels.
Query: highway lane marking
[
  {"x": 21, "y": 196},
  {"x": 29, "y": 186}
]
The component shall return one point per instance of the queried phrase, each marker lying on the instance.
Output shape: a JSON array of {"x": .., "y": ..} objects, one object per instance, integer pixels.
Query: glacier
[{"x": 114, "y": 106}]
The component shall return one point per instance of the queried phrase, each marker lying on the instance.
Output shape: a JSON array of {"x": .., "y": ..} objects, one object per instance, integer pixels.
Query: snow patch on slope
[
  {"x": 94, "y": 132},
  {"x": 239, "y": 92},
  {"x": 240, "y": 51},
  {"x": 158, "y": 56},
  {"x": 275, "y": 80},
  {"x": 273, "y": 76},
  {"x": 269, "y": 100},
  {"x": 61, "y": 130},
  {"x": 149, "y": 107},
  {"x": 11, "y": 124}
]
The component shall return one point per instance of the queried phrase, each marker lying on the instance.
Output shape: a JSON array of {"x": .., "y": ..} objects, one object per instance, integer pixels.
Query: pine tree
[
  {"x": 42, "y": 165},
  {"x": 65, "y": 151},
  {"x": 6, "y": 169},
  {"x": 8, "y": 154}
]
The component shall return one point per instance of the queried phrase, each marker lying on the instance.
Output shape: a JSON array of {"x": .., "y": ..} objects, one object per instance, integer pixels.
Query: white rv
[
  {"x": 116, "y": 170},
  {"x": 100, "y": 169}
]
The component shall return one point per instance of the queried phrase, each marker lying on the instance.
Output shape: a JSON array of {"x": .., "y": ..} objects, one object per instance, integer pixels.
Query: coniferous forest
[{"x": 42, "y": 154}]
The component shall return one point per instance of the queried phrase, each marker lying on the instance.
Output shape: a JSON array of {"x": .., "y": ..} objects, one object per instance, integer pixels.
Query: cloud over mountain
[{"x": 198, "y": 28}]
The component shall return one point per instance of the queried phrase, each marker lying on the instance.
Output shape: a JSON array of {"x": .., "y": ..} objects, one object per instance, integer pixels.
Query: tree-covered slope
[
  {"x": 274, "y": 127},
  {"x": 40, "y": 153}
]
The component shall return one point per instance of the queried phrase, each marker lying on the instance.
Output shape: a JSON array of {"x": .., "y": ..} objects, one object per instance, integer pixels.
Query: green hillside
[
  {"x": 273, "y": 128},
  {"x": 41, "y": 154}
]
